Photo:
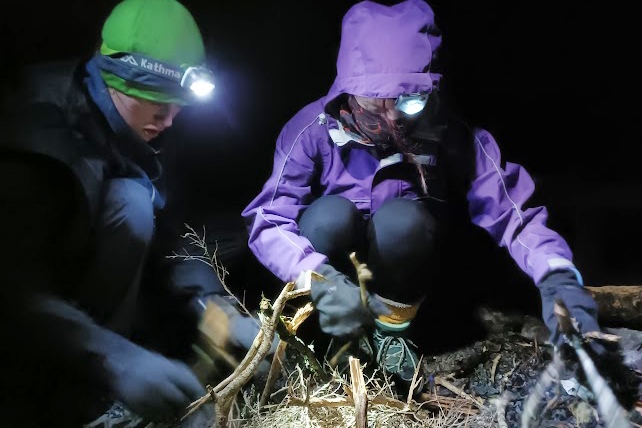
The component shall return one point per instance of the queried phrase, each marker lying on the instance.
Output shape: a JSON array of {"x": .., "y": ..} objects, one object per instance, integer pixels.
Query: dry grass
[{"x": 330, "y": 405}]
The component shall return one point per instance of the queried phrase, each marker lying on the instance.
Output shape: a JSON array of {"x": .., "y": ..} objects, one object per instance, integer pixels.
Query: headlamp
[
  {"x": 149, "y": 72},
  {"x": 199, "y": 80},
  {"x": 411, "y": 104}
]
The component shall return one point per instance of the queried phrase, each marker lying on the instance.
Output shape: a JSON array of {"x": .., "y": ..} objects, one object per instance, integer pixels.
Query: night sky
[{"x": 556, "y": 82}]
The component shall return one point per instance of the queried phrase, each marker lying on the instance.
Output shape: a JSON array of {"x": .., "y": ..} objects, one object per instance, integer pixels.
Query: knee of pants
[
  {"x": 128, "y": 211},
  {"x": 330, "y": 215},
  {"x": 404, "y": 219}
]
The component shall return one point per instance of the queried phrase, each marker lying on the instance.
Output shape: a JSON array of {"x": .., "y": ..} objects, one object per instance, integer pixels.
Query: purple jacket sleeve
[
  {"x": 497, "y": 200},
  {"x": 272, "y": 216}
]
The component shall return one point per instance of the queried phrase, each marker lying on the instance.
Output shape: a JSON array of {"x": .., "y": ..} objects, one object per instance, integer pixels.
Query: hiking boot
[
  {"x": 118, "y": 416},
  {"x": 395, "y": 354}
]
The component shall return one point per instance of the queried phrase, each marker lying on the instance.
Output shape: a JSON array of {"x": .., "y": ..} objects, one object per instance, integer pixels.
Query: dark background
[{"x": 556, "y": 82}]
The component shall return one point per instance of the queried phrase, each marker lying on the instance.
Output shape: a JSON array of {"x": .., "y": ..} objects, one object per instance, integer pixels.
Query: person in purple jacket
[{"x": 378, "y": 166}]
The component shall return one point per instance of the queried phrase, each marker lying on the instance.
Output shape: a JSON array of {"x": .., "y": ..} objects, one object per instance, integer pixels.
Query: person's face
[
  {"x": 146, "y": 118},
  {"x": 385, "y": 107}
]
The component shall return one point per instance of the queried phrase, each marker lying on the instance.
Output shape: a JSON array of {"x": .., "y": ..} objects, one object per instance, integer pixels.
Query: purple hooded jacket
[{"x": 384, "y": 52}]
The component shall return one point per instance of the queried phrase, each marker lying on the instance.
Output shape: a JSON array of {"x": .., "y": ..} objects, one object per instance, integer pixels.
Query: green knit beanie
[{"x": 162, "y": 30}]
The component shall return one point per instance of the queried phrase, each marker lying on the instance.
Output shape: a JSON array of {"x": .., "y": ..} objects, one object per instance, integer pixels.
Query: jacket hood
[{"x": 385, "y": 51}]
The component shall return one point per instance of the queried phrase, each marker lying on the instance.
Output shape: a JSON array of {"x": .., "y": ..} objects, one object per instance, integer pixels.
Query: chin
[{"x": 146, "y": 137}]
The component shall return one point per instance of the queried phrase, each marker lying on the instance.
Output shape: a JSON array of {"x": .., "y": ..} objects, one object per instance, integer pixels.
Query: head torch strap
[
  {"x": 152, "y": 66},
  {"x": 149, "y": 72}
]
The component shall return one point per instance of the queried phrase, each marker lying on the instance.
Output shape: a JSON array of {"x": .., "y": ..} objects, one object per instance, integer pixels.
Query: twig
[
  {"x": 363, "y": 274},
  {"x": 452, "y": 388},
  {"x": 415, "y": 382},
  {"x": 209, "y": 259},
  {"x": 500, "y": 405},
  {"x": 494, "y": 367},
  {"x": 335, "y": 359},
  {"x": 195, "y": 405},
  {"x": 295, "y": 294},
  {"x": 447, "y": 402},
  {"x": 223, "y": 394},
  {"x": 602, "y": 336},
  {"x": 292, "y": 326},
  {"x": 275, "y": 369}
]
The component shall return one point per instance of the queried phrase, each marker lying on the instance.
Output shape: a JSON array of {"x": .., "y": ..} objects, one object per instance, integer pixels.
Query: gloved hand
[
  {"x": 226, "y": 334},
  {"x": 338, "y": 300},
  {"x": 226, "y": 326},
  {"x": 607, "y": 356},
  {"x": 564, "y": 285},
  {"x": 149, "y": 384}
]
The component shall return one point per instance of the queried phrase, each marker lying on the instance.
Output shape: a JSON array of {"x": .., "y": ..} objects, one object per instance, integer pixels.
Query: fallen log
[{"x": 619, "y": 305}]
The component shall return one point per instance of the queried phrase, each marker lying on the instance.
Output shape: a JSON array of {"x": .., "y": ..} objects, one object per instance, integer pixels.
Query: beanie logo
[
  {"x": 152, "y": 66},
  {"x": 158, "y": 68},
  {"x": 130, "y": 59}
]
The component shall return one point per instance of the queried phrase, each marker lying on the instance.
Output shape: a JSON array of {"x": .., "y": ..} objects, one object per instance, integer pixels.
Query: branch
[
  {"x": 223, "y": 394},
  {"x": 292, "y": 326}
]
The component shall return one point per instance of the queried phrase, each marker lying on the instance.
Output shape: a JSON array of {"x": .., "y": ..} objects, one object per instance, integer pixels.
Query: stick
[
  {"x": 501, "y": 403},
  {"x": 363, "y": 274},
  {"x": 335, "y": 359},
  {"x": 292, "y": 326},
  {"x": 613, "y": 414},
  {"x": 493, "y": 369},
  {"x": 223, "y": 394},
  {"x": 275, "y": 369},
  {"x": 415, "y": 382},
  {"x": 359, "y": 394},
  {"x": 295, "y": 294}
]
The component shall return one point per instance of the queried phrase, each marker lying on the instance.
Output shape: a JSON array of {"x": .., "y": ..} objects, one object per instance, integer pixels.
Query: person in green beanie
[{"x": 88, "y": 342}]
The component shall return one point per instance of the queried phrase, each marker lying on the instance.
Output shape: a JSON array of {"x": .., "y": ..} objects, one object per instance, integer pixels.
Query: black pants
[
  {"x": 399, "y": 243},
  {"x": 416, "y": 252}
]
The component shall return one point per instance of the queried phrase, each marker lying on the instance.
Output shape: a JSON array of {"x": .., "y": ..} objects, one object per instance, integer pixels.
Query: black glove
[
  {"x": 149, "y": 384},
  {"x": 563, "y": 285},
  {"x": 338, "y": 301},
  {"x": 606, "y": 355}
]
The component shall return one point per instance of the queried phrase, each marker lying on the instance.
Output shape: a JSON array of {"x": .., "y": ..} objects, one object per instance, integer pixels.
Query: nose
[
  {"x": 167, "y": 121},
  {"x": 167, "y": 118}
]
